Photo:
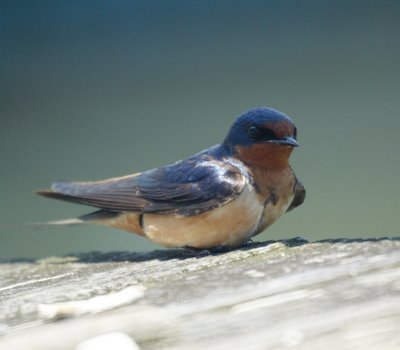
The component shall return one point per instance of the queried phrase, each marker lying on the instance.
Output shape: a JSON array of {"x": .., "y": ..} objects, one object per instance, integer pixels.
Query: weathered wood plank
[{"x": 333, "y": 294}]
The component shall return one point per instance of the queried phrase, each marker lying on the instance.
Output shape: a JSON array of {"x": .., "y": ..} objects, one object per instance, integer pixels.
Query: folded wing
[{"x": 187, "y": 188}]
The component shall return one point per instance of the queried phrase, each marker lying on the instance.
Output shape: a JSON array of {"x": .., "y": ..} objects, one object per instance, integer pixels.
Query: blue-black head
[{"x": 264, "y": 126}]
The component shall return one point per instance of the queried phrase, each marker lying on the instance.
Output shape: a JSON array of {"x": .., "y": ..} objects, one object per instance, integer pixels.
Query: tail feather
[
  {"x": 63, "y": 222},
  {"x": 90, "y": 218},
  {"x": 48, "y": 224},
  {"x": 95, "y": 217}
]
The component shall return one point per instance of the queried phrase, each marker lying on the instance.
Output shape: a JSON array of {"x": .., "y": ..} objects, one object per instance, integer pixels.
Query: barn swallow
[{"x": 220, "y": 197}]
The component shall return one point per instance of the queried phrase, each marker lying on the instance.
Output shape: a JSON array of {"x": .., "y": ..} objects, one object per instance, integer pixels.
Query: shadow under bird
[{"x": 220, "y": 197}]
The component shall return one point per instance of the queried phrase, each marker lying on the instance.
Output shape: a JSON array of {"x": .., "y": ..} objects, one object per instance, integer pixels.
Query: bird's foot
[
  {"x": 191, "y": 252},
  {"x": 200, "y": 252},
  {"x": 249, "y": 241}
]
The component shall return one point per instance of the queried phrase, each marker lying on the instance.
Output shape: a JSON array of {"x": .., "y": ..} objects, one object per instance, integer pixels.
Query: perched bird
[{"x": 220, "y": 197}]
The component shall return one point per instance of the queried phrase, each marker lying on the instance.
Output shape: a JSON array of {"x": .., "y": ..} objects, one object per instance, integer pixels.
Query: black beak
[{"x": 286, "y": 141}]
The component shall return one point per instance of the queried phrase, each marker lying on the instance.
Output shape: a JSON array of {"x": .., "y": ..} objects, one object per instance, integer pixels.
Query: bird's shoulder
[{"x": 209, "y": 166}]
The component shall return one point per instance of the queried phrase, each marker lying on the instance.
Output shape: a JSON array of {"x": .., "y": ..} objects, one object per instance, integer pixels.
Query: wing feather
[
  {"x": 299, "y": 195},
  {"x": 188, "y": 187}
]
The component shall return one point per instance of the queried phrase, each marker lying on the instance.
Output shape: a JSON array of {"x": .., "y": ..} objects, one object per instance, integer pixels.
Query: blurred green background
[{"x": 96, "y": 89}]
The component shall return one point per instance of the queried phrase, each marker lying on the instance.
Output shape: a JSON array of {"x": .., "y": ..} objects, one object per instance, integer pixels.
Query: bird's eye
[
  {"x": 295, "y": 133},
  {"x": 261, "y": 134},
  {"x": 253, "y": 132},
  {"x": 268, "y": 134}
]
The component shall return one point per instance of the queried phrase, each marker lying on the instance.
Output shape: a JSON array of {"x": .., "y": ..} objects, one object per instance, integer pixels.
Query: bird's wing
[
  {"x": 299, "y": 195},
  {"x": 188, "y": 187}
]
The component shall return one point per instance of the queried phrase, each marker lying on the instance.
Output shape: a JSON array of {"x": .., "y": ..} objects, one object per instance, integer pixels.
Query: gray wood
[{"x": 338, "y": 294}]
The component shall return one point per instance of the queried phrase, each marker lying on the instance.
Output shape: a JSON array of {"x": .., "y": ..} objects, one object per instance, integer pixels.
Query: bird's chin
[
  {"x": 270, "y": 155},
  {"x": 283, "y": 150}
]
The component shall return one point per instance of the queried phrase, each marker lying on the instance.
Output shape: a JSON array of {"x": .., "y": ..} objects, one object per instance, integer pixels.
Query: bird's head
[{"x": 262, "y": 137}]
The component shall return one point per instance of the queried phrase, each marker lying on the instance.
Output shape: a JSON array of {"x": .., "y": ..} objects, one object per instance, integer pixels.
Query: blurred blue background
[{"x": 96, "y": 89}]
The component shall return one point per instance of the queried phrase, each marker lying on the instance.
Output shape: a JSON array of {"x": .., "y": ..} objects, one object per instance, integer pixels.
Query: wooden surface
[{"x": 289, "y": 294}]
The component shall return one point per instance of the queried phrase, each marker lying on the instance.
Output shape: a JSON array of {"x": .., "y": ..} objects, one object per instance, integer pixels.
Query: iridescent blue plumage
[
  {"x": 188, "y": 187},
  {"x": 255, "y": 117}
]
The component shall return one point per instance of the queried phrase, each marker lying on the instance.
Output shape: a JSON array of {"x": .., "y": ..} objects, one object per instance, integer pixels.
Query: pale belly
[{"x": 230, "y": 225}]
